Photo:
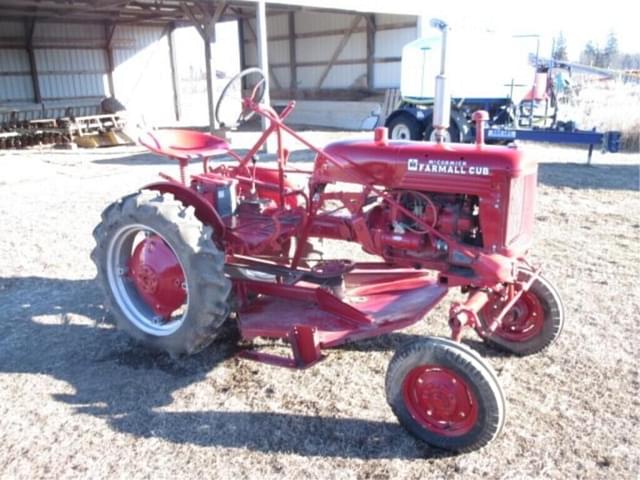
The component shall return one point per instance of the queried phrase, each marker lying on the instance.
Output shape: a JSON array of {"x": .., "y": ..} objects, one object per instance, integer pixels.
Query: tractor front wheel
[
  {"x": 445, "y": 395},
  {"x": 532, "y": 324},
  {"x": 161, "y": 272}
]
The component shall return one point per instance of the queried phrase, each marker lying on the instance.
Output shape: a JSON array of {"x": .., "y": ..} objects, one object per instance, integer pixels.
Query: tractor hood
[{"x": 459, "y": 168}]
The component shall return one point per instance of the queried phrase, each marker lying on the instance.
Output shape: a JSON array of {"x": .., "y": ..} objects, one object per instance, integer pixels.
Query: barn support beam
[
  {"x": 272, "y": 75},
  {"x": 293, "y": 84},
  {"x": 263, "y": 56},
  {"x": 173, "y": 63},
  {"x": 371, "y": 50},
  {"x": 205, "y": 22},
  {"x": 30, "y": 27},
  {"x": 339, "y": 49},
  {"x": 423, "y": 24},
  {"x": 109, "y": 31}
]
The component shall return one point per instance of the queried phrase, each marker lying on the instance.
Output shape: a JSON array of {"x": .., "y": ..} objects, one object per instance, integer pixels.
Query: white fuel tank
[{"x": 479, "y": 65}]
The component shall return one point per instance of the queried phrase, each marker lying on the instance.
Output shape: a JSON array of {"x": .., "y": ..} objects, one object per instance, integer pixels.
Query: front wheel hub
[
  {"x": 158, "y": 276},
  {"x": 523, "y": 322},
  {"x": 440, "y": 400}
]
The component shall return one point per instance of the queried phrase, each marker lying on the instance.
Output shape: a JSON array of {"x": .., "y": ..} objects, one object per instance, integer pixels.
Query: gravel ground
[{"x": 79, "y": 399}]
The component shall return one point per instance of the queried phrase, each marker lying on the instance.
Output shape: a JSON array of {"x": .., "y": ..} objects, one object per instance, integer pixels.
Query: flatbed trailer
[{"x": 607, "y": 141}]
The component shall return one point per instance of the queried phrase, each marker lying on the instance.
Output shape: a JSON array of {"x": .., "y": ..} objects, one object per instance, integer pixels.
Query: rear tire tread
[{"x": 202, "y": 262}]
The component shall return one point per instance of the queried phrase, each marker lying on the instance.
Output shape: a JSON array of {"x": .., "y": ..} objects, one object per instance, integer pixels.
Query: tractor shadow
[
  {"x": 393, "y": 341},
  {"x": 59, "y": 328},
  {"x": 596, "y": 177}
]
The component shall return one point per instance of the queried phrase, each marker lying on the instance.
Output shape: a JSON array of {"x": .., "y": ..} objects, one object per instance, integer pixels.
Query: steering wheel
[{"x": 232, "y": 93}]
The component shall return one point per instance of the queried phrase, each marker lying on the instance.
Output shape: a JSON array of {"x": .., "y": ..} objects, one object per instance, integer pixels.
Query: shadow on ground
[
  {"x": 119, "y": 381},
  {"x": 600, "y": 177}
]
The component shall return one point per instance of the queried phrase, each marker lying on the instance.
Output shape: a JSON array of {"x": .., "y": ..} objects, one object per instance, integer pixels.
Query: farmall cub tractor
[{"x": 182, "y": 257}]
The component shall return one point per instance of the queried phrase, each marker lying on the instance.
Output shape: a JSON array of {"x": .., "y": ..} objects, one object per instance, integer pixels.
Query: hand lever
[{"x": 254, "y": 160}]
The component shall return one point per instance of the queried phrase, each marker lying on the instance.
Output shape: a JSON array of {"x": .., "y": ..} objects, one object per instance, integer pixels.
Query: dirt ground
[{"x": 79, "y": 399}]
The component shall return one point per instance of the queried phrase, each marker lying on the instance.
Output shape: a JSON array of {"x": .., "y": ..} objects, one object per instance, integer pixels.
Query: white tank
[{"x": 479, "y": 65}]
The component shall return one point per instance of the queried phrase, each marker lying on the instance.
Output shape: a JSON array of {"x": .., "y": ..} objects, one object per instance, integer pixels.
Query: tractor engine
[{"x": 395, "y": 234}]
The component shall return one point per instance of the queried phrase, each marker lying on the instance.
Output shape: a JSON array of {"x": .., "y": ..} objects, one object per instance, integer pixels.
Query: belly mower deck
[{"x": 311, "y": 318}]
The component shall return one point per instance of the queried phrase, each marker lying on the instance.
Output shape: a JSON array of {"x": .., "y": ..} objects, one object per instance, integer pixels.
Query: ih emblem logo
[{"x": 451, "y": 167}]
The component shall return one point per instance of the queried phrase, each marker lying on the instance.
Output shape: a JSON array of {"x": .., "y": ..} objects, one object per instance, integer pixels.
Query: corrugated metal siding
[
  {"x": 14, "y": 60},
  {"x": 142, "y": 75},
  {"x": 307, "y": 22},
  {"x": 15, "y": 77},
  {"x": 11, "y": 29},
  {"x": 320, "y": 48},
  {"x": 283, "y": 74},
  {"x": 386, "y": 75},
  {"x": 277, "y": 24},
  {"x": 71, "y": 35},
  {"x": 278, "y": 51},
  {"x": 16, "y": 88},
  {"x": 385, "y": 19},
  {"x": 340, "y": 76},
  {"x": 311, "y": 50},
  {"x": 389, "y": 43}
]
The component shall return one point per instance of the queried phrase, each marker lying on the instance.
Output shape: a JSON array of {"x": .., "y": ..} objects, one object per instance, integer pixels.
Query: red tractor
[{"x": 231, "y": 243}]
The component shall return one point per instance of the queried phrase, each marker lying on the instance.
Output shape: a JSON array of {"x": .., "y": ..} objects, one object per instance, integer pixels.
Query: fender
[{"x": 189, "y": 197}]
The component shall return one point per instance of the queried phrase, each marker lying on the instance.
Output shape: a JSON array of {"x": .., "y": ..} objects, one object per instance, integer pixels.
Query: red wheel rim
[
  {"x": 440, "y": 400},
  {"x": 158, "y": 276},
  {"x": 523, "y": 322}
]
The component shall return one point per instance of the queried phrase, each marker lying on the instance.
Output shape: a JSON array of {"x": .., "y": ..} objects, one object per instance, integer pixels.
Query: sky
[{"x": 579, "y": 21}]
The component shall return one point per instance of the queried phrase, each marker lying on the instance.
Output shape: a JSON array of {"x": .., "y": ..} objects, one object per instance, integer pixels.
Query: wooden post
[
  {"x": 263, "y": 57},
  {"x": 109, "y": 30},
  {"x": 270, "y": 71},
  {"x": 206, "y": 27},
  {"x": 30, "y": 27},
  {"x": 210, "y": 72},
  {"x": 243, "y": 57},
  {"x": 293, "y": 84},
  {"x": 175, "y": 81},
  {"x": 371, "y": 47}
]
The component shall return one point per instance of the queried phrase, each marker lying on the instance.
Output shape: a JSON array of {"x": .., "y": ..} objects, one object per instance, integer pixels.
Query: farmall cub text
[{"x": 182, "y": 257}]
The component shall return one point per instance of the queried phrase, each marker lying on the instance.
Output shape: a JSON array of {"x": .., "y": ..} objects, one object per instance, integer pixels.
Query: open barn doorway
[{"x": 191, "y": 70}]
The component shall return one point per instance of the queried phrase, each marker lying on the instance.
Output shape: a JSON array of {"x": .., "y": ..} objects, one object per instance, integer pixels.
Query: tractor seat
[{"x": 184, "y": 144}]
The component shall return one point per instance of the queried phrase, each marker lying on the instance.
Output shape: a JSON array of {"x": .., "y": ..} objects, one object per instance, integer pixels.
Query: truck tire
[
  {"x": 534, "y": 323},
  {"x": 452, "y": 134},
  {"x": 162, "y": 275},
  {"x": 405, "y": 127},
  {"x": 445, "y": 394}
]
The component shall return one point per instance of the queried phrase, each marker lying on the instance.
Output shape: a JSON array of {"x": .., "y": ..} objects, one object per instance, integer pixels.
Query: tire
[
  {"x": 536, "y": 323},
  {"x": 445, "y": 394},
  {"x": 405, "y": 127},
  {"x": 206, "y": 289}
]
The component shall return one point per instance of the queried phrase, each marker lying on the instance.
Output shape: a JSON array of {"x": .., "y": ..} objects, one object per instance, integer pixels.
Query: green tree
[
  {"x": 560, "y": 47},
  {"x": 590, "y": 54},
  {"x": 610, "y": 53}
]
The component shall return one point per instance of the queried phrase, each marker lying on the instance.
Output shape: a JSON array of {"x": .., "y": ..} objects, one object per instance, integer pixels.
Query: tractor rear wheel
[
  {"x": 161, "y": 272},
  {"x": 532, "y": 324},
  {"x": 445, "y": 394}
]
